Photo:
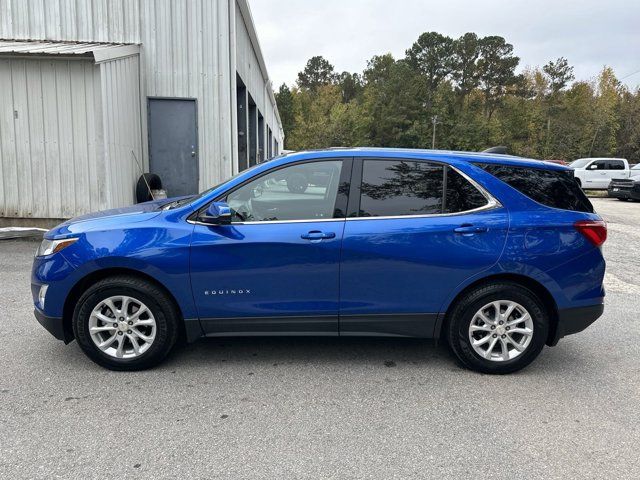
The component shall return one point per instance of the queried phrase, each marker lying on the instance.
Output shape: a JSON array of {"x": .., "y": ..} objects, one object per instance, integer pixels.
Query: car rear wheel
[
  {"x": 125, "y": 323},
  {"x": 497, "y": 328}
]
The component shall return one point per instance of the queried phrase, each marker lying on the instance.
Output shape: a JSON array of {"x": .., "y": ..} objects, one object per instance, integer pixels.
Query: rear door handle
[
  {"x": 470, "y": 229},
  {"x": 317, "y": 235}
]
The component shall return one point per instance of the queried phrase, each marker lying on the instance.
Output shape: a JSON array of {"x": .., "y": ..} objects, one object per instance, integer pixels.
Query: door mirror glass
[{"x": 218, "y": 213}]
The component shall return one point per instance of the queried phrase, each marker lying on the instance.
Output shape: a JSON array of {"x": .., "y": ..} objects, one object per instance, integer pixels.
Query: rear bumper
[
  {"x": 54, "y": 326},
  {"x": 574, "y": 320}
]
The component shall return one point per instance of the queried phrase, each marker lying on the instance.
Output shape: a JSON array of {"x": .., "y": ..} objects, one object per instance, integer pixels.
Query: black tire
[
  {"x": 623, "y": 199},
  {"x": 142, "y": 190},
  {"x": 462, "y": 313},
  {"x": 297, "y": 183},
  {"x": 161, "y": 306},
  {"x": 579, "y": 182}
]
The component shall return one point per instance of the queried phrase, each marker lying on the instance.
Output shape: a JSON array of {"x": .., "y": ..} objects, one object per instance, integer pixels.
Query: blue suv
[{"x": 495, "y": 255}]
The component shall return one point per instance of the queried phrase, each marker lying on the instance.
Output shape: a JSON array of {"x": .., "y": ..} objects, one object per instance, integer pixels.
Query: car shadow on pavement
[
  {"x": 317, "y": 350},
  {"x": 321, "y": 352}
]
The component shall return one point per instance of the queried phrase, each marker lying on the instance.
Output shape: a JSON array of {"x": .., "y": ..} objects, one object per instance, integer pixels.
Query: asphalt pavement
[{"x": 328, "y": 407}]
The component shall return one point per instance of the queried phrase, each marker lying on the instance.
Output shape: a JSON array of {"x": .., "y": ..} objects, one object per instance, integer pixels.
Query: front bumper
[
  {"x": 574, "y": 320},
  {"x": 622, "y": 192},
  {"x": 54, "y": 325}
]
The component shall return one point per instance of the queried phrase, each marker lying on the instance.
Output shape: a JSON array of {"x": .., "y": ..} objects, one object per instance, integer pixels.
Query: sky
[{"x": 589, "y": 33}]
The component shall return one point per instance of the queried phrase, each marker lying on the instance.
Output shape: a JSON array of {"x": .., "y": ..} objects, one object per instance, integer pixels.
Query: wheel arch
[
  {"x": 81, "y": 286},
  {"x": 527, "y": 282}
]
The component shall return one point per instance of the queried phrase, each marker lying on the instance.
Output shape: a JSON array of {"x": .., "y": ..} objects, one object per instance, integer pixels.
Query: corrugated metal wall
[
  {"x": 120, "y": 92},
  {"x": 249, "y": 70},
  {"x": 186, "y": 54},
  {"x": 112, "y": 21},
  {"x": 48, "y": 137},
  {"x": 189, "y": 49}
]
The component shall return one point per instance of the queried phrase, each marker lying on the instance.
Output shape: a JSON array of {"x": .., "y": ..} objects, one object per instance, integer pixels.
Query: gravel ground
[{"x": 326, "y": 408}]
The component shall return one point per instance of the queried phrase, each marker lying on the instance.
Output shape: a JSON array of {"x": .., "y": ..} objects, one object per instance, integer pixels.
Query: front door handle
[
  {"x": 470, "y": 229},
  {"x": 317, "y": 235}
]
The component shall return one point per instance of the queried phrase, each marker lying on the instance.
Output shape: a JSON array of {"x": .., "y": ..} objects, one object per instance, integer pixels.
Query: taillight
[{"x": 594, "y": 230}]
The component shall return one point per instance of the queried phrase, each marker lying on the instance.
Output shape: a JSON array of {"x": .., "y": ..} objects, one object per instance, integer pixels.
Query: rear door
[
  {"x": 617, "y": 170},
  {"x": 418, "y": 230}
]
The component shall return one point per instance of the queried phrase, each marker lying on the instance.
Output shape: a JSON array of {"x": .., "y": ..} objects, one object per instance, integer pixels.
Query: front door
[
  {"x": 421, "y": 229},
  {"x": 276, "y": 267},
  {"x": 173, "y": 145}
]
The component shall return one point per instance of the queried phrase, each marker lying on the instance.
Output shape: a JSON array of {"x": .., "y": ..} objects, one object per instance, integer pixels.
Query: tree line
[{"x": 468, "y": 90}]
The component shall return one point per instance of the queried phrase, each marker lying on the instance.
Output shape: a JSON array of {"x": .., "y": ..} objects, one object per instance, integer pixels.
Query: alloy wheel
[
  {"x": 501, "y": 330},
  {"x": 122, "y": 327}
]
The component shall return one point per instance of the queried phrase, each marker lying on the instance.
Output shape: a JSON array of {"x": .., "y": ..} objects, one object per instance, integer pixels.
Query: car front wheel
[
  {"x": 498, "y": 328},
  {"x": 125, "y": 323}
]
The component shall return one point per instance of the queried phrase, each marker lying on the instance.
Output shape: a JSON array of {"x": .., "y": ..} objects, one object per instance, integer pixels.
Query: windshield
[
  {"x": 185, "y": 201},
  {"x": 579, "y": 163}
]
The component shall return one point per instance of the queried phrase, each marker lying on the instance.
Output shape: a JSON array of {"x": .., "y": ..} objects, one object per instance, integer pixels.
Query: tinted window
[
  {"x": 552, "y": 188},
  {"x": 306, "y": 191},
  {"x": 600, "y": 165},
  {"x": 616, "y": 165},
  {"x": 461, "y": 194},
  {"x": 393, "y": 188}
]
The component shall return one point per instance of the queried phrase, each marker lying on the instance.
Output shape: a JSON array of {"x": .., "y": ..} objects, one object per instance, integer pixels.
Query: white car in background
[{"x": 597, "y": 173}]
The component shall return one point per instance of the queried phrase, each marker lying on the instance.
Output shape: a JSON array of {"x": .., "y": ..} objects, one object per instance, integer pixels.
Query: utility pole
[{"x": 434, "y": 121}]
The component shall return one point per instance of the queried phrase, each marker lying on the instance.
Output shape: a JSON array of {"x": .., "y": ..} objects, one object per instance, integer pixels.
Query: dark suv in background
[{"x": 626, "y": 188}]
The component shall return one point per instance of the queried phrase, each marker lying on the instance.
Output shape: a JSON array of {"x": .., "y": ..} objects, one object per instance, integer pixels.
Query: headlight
[{"x": 47, "y": 247}]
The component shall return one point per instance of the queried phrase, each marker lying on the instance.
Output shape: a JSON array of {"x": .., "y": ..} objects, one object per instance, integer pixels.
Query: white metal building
[{"x": 87, "y": 85}]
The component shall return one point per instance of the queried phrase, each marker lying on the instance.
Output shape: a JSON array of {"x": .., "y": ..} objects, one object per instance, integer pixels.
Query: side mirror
[
  {"x": 218, "y": 213},
  {"x": 593, "y": 166}
]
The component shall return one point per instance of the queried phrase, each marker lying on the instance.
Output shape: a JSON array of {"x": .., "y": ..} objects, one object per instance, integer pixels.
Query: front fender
[{"x": 158, "y": 248}]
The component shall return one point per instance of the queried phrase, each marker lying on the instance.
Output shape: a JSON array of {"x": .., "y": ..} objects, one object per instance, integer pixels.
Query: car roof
[
  {"x": 409, "y": 153},
  {"x": 601, "y": 158}
]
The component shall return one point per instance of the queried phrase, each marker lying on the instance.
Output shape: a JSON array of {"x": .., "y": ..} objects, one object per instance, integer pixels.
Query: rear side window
[
  {"x": 553, "y": 188},
  {"x": 392, "y": 188},
  {"x": 402, "y": 188},
  {"x": 616, "y": 165},
  {"x": 461, "y": 195}
]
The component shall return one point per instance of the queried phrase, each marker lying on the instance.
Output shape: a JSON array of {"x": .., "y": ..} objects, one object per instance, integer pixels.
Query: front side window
[
  {"x": 305, "y": 191},
  {"x": 600, "y": 165},
  {"x": 404, "y": 188}
]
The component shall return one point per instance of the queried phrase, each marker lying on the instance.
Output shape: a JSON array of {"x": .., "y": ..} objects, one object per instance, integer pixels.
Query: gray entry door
[{"x": 173, "y": 144}]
